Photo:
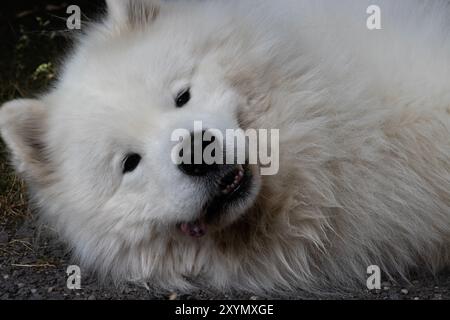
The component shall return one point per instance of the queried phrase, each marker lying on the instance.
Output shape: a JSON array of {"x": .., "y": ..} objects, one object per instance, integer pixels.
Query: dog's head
[{"x": 98, "y": 148}]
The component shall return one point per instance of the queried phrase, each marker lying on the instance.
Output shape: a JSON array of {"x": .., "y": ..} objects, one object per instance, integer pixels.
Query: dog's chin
[{"x": 234, "y": 193}]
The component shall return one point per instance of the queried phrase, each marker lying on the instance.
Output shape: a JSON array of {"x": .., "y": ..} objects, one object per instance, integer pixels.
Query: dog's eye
[
  {"x": 131, "y": 162},
  {"x": 183, "y": 98}
]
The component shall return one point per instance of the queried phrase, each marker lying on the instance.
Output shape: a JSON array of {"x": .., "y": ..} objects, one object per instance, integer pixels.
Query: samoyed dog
[{"x": 361, "y": 99}]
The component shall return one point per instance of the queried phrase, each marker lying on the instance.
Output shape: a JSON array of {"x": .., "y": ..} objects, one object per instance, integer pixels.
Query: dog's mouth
[{"x": 230, "y": 188}]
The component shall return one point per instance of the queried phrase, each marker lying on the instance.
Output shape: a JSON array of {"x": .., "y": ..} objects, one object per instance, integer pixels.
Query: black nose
[{"x": 199, "y": 168}]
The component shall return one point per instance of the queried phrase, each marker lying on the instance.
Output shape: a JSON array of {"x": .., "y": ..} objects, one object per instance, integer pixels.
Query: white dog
[{"x": 364, "y": 175}]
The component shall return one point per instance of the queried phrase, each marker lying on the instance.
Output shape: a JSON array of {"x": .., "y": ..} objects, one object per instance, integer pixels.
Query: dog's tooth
[{"x": 227, "y": 189}]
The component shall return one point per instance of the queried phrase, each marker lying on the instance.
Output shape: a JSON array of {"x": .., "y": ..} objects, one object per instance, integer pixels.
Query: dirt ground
[{"x": 33, "y": 262}]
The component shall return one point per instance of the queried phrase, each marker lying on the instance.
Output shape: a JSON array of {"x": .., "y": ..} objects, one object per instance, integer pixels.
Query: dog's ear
[
  {"x": 22, "y": 126},
  {"x": 132, "y": 13}
]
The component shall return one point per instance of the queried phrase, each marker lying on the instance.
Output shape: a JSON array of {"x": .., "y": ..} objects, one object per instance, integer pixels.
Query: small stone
[
  {"x": 404, "y": 291},
  {"x": 386, "y": 288},
  {"x": 5, "y": 277},
  {"x": 20, "y": 285},
  {"x": 416, "y": 298},
  {"x": 50, "y": 289},
  {"x": 33, "y": 291},
  {"x": 173, "y": 296},
  {"x": 253, "y": 298},
  {"x": 3, "y": 237},
  {"x": 92, "y": 297}
]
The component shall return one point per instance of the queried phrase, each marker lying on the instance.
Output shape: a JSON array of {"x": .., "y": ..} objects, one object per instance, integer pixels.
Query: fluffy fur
[{"x": 365, "y": 141}]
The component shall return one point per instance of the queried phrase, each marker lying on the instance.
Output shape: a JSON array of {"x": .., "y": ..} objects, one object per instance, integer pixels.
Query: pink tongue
[{"x": 196, "y": 229}]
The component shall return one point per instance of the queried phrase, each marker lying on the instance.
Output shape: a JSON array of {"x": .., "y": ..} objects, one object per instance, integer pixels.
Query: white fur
[{"x": 365, "y": 142}]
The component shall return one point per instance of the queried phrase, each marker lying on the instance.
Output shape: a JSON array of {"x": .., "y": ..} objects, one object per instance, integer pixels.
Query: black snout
[{"x": 199, "y": 167}]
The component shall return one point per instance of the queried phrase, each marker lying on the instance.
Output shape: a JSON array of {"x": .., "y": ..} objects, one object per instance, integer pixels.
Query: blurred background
[{"x": 33, "y": 35}]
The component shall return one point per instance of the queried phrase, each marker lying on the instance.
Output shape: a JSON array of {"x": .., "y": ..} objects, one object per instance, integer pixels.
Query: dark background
[
  {"x": 33, "y": 41},
  {"x": 33, "y": 33}
]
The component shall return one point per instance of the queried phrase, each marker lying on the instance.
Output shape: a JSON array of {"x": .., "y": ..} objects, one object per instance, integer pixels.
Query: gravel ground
[
  {"x": 33, "y": 262},
  {"x": 33, "y": 265}
]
